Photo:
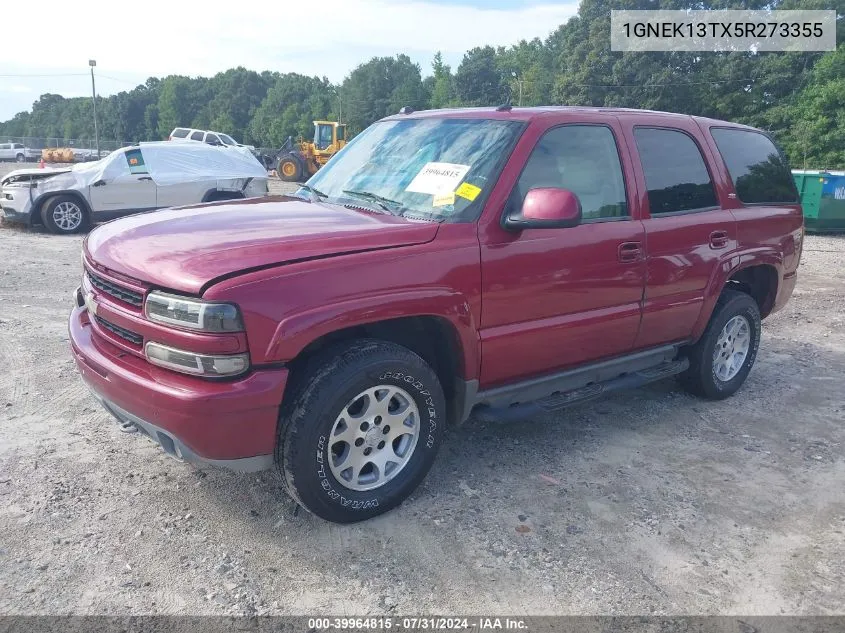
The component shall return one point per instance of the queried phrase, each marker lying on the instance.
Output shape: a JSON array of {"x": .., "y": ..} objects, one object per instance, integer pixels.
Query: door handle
[
  {"x": 144, "y": 178},
  {"x": 99, "y": 183},
  {"x": 719, "y": 239},
  {"x": 630, "y": 252}
]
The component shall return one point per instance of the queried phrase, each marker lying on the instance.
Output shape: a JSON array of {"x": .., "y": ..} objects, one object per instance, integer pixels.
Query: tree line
[{"x": 799, "y": 97}]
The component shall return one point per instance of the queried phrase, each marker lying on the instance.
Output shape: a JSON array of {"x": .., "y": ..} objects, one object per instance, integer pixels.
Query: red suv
[{"x": 514, "y": 260}]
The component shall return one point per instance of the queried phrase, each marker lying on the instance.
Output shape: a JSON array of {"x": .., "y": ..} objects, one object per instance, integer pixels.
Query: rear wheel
[
  {"x": 360, "y": 430},
  {"x": 64, "y": 215},
  {"x": 721, "y": 360},
  {"x": 290, "y": 168}
]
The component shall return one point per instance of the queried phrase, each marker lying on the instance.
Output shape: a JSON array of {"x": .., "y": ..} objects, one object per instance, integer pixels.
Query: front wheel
[
  {"x": 20, "y": 158},
  {"x": 360, "y": 430},
  {"x": 290, "y": 168},
  {"x": 64, "y": 215},
  {"x": 721, "y": 360}
]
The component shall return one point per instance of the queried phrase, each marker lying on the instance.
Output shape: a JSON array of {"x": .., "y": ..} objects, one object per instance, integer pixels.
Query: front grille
[
  {"x": 126, "y": 335},
  {"x": 118, "y": 292}
]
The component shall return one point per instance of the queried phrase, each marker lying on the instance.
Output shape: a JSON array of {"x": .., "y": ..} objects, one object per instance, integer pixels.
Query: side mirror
[{"x": 546, "y": 208}]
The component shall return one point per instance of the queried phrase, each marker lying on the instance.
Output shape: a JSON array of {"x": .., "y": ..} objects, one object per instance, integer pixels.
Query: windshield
[
  {"x": 227, "y": 140},
  {"x": 434, "y": 168}
]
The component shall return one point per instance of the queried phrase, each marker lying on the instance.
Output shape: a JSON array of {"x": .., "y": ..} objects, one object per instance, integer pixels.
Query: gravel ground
[{"x": 649, "y": 502}]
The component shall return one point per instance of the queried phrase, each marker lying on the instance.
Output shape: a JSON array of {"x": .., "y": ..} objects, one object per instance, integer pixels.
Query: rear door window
[
  {"x": 758, "y": 169},
  {"x": 676, "y": 175},
  {"x": 197, "y": 136}
]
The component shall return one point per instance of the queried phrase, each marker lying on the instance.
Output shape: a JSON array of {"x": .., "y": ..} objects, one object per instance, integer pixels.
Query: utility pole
[
  {"x": 339, "y": 106},
  {"x": 92, "y": 63}
]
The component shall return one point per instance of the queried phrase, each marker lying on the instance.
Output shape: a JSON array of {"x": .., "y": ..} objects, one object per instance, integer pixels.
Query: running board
[{"x": 562, "y": 399}]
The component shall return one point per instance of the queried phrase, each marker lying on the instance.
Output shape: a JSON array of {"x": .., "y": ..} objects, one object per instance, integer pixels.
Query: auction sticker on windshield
[
  {"x": 437, "y": 178},
  {"x": 468, "y": 191}
]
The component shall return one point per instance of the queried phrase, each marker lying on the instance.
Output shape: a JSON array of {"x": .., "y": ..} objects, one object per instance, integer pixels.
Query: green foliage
[
  {"x": 799, "y": 97},
  {"x": 380, "y": 87}
]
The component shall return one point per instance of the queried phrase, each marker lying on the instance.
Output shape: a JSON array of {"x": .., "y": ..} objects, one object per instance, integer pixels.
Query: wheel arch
[
  {"x": 39, "y": 204},
  {"x": 757, "y": 275},
  {"x": 448, "y": 345},
  {"x": 215, "y": 195}
]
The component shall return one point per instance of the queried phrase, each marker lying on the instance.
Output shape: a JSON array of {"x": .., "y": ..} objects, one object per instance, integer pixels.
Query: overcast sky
[{"x": 132, "y": 41}]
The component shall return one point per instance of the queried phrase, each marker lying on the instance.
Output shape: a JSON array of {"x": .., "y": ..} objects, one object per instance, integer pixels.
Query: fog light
[{"x": 196, "y": 364}]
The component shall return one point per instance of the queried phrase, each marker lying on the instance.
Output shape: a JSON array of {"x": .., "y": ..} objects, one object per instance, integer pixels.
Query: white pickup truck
[{"x": 18, "y": 152}]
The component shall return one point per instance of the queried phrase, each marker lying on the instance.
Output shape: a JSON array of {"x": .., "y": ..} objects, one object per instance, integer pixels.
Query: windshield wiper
[
  {"x": 381, "y": 201},
  {"x": 316, "y": 194}
]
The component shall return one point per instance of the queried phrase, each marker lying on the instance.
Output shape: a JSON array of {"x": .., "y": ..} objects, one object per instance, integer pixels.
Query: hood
[
  {"x": 23, "y": 175},
  {"x": 187, "y": 248}
]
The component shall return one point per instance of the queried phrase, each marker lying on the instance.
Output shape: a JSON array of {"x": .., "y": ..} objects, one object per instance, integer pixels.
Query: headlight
[
  {"x": 195, "y": 314},
  {"x": 196, "y": 364}
]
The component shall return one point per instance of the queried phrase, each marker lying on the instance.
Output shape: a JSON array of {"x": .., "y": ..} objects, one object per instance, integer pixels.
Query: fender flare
[
  {"x": 37, "y": 203},
  {"x": 727, "y": 269},
  {"x": 295, "y": 332}
]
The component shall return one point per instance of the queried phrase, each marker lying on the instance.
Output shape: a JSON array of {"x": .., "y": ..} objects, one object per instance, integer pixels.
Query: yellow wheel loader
[{"x": 297, "y": 161}]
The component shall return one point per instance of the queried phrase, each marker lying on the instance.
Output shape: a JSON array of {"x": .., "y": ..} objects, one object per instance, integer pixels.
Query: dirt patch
[{"x": 648, "y": 502}]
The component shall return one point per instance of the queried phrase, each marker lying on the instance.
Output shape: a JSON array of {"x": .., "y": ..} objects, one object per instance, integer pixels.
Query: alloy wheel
[
  {"x": 374, "y": 437},
  {"x": 732, "y": 348},
  {"x": 67, "y": 216}
]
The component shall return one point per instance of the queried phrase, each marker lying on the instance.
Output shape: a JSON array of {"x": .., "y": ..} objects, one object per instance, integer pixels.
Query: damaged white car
[{"x": 133, "y": 179}]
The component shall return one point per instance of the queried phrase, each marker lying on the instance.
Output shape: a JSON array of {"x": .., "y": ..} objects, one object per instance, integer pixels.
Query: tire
[
  {"x": 20, "y": 158},
  {"x": 290, "y": 168},
  {"x": 64, "y": 215},
  {"x": 709, "y": 374},
  {"x": 336, "y": 394}
]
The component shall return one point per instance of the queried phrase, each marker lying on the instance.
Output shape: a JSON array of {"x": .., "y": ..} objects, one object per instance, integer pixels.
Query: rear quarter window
[
  {"x": 197, "y": 136},
  {"x": 758, "y": 169}
]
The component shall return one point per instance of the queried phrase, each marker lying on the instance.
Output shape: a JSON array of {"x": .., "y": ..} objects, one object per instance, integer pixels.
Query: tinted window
[
  {"x": 675, "y": 174},
  {"x": 180, "y": 133},
  {"x": 341, "y": 133},
  {"x": 583, "y": 159},
  {"x": 212, "y": 139},
  {"x": 759, "y": 171},
  {"x": 196, "y": 136},
  {"x": 17, "y": 146}
]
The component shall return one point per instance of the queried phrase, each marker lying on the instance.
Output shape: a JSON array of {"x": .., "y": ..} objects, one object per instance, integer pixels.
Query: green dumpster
[{"x": 822, "y": 198}]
